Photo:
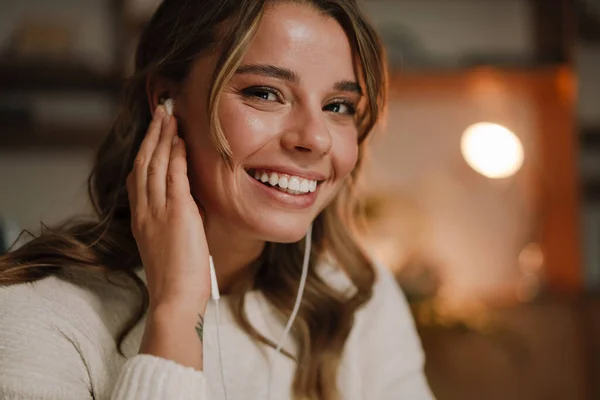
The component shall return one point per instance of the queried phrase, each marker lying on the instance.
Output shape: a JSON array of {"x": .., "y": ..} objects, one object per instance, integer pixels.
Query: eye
[
  {"x": 341, "y": 107},
  {"x": 262, "y": 93}
]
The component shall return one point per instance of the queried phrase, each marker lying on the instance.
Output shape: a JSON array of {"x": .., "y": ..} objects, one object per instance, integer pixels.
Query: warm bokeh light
[
  {"x": 492, "y": 150},
  {"x": 531, "y": 258}
]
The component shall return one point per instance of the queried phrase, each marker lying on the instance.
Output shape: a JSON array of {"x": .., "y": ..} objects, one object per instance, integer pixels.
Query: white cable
[
  {"x": 214, "y": 285},
  {"x": 214, "y": 292},
  {"x": 299, "y": 295},
  {"x": 219, "y": 348},
  {"x": 216, "y": 295}
]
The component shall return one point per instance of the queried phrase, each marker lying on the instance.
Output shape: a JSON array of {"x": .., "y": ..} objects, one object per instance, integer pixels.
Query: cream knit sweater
[{"x": 57, "y": 341}]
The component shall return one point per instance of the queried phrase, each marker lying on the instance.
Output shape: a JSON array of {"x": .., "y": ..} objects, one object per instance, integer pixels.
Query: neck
[{"x": 231, "y": 252}]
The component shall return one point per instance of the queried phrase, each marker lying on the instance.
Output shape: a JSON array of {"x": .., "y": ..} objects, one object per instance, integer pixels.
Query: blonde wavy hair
[{"x": 179, "y": 32}]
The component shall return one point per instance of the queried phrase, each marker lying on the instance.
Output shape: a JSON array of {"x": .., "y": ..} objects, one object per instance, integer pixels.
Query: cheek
[
  {"x": 344, "y": 154},
  {"x": 245, "y": 128}
]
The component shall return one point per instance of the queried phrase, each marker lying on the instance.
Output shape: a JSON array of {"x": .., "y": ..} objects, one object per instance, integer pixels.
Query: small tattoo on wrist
[{"x": 200, "y": 327}]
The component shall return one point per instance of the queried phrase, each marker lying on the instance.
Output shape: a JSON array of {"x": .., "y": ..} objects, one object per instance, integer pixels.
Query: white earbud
[{"x": 169, "y": 106}]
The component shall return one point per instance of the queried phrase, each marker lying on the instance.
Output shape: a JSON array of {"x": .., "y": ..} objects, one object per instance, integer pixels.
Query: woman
[{"x": 273, "y": 103}]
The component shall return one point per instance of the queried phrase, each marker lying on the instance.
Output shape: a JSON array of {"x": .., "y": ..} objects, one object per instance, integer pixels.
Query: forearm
[
  {"x": 175, "y": 333},
  {"x": 170, "y": 360}
]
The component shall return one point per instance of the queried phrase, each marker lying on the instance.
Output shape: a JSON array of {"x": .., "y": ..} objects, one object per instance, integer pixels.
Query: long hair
[{"x": 179, "y": 33}]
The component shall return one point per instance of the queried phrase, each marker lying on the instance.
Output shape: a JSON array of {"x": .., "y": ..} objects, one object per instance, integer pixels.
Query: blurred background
[{"x": 482, "y": 194}]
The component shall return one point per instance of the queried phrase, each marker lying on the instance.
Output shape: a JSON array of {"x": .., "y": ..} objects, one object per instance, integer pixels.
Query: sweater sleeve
[
  {"x": 393, "y": 359},
  {"x": 148, "y": 377},
  {"x": 41, "y": 360}
]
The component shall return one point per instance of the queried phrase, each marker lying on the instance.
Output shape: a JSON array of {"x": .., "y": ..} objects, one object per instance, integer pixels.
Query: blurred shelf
[
  {"x": 19, "y": 138},
  {"x": 407, "y": 83},
  {"x": 588, "y": 21},
  {"x": 589, "y": 165},
  {"x": 590, "y": 190},
  {"x": 49, "y": 76},
  {"x": 589, "y": 137}
]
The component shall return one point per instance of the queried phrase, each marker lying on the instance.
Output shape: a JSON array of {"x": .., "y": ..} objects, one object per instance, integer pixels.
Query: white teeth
[
  {"x": 274, "y": 179},
  {"x": 304, "y": 186},
  {"x": 294, "y": 183},
  {"x": 283, "y": 182}
]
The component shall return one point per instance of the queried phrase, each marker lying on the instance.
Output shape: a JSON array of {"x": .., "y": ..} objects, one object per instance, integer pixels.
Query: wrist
[
  {"x": 176, "y": 309},
  {"x": 175, "y": 332}
]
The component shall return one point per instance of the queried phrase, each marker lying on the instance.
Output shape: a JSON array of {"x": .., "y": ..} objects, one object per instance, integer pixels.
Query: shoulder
[
  {"x": 387, "y": 314},
  {"x": 37, "y": 338},
  {"x": 81, "y": 300},
  {"x": 47, "y": 299},
  {"x": 60, "y": 331},
  {"x": 387, "y": 299},
  {"x": 87, "y": 311},
  {"x": 385, "y": 318},
  {"x": 384, "y": 348}
]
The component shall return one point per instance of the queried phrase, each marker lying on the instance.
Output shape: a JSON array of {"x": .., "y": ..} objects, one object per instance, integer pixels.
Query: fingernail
[
  {"x": 160, "y": 111},
  {"x": 175, "y": 140}
]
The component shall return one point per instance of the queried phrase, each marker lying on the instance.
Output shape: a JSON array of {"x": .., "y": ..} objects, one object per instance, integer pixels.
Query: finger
[
  {"x": 143, "y": 157},
  {"x": 159, "y": 164},
  {"x": 131, "y": 190},
  {"x": 133, "y": 203},
  {"x": 178, "y": 184}
]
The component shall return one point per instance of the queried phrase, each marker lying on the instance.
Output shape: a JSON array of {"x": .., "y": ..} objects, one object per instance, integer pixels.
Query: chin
[{"x": 277, "y": 232}]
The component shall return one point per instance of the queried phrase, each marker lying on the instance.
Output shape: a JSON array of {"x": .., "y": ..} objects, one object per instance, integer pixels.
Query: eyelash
[
  {"x": 251, "y": 93},
  {"x": 350, "y": 105}
]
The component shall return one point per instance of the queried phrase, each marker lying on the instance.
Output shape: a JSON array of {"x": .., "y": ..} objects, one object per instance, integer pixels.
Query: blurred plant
[
  {"x": 395, "y": 230},
  {"x": 437, "y": 312}
]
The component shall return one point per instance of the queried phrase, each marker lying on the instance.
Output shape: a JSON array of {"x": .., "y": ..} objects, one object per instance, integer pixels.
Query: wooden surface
[{"x": 531, "y": 352}]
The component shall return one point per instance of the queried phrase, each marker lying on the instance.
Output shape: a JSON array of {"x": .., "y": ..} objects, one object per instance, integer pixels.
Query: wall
[
  {"x": 446, "y": 31},
  {"x": 476, "y": 227},
  {"x": 42, "y": 186}
]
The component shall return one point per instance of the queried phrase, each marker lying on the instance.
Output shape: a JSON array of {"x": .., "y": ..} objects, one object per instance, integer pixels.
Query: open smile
[
  {"x": 291, "y": 184},
  {"x": 292, "y": 191}
]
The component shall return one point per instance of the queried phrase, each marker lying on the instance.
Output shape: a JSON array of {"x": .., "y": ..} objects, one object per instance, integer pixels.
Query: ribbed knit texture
[{"x": 57, "y": 341}]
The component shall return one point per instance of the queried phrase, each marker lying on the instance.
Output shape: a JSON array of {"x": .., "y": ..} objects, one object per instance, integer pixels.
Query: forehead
[{"x": 303, "y": 39}]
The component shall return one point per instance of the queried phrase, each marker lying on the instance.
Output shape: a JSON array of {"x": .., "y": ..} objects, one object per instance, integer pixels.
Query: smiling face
[{"x": 288, "y": 116}]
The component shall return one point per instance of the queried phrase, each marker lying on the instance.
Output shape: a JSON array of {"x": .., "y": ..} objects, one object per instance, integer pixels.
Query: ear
[{"x": 158, "y": 89}]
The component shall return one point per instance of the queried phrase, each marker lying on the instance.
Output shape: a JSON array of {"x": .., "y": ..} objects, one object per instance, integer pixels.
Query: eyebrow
[
  {"x": 348, "y": 86},
  {"x": 270, "y": 71},
  {"x": 286, "y": 74}
]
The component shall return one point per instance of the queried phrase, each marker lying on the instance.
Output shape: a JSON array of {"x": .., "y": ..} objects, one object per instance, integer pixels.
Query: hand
[
  {"x": 166, "y": 222},
  {"x": 169, "y": 232}
]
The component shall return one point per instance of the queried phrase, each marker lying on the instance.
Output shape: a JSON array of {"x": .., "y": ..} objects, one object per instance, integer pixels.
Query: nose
[{"x": 308, "y": 134}]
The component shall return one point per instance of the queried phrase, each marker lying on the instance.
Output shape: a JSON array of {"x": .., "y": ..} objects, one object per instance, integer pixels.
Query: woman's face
[{"x": 288, "y": 115}]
